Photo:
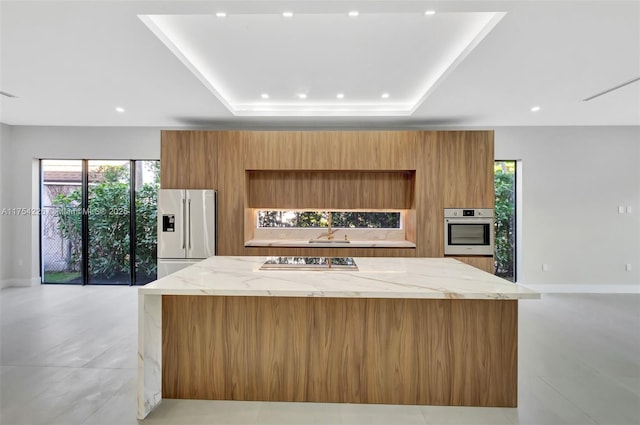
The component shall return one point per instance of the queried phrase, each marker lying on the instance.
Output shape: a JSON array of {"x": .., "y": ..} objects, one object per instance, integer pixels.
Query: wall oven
[{"x": 468, "y": 231}]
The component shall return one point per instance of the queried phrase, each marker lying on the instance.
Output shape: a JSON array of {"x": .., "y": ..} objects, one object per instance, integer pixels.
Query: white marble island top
[
  {"x": 417, "y": 278},
  {"x": 375, "y": 278}
]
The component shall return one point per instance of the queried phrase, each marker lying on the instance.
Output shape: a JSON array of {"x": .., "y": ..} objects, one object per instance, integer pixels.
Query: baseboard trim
[
  {"x": 23, "y": 282},
  {"x": 566, "y": 288}
]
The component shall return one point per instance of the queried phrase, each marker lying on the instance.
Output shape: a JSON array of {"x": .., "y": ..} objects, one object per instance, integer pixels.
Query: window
[
  {"x": 505, "y": 219},
  {"x": 306, "y": 225},
  {"x": 339, "y": 219},
  {"x": 99, "y": 221}
]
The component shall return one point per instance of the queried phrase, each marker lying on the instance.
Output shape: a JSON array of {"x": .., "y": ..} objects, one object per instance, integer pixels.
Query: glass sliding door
[
  {"x": 61, "y": 221},
  {"x": 98, "y": 222},
  {"x": 109, "y": 209},
  {"x": 147, "y": 183}
]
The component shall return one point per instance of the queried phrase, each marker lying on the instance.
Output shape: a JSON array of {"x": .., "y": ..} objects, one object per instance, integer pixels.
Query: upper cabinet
[
  {"x": 330, "y": 150},
  {"x": 326, "y": 190},
  {"x": 189, "y": 160},
  {"x": 466, "y": 163}
]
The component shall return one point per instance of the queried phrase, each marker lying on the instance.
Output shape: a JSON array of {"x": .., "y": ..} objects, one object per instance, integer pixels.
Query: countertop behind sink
[{"x": 297, "y": 243}]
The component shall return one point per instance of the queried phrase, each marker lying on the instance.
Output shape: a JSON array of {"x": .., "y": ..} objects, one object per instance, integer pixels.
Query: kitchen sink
[{"x": 310, "y": 263}]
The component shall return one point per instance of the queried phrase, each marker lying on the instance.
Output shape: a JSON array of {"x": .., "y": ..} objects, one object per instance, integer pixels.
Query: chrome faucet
[{"x": 329, "y": 233}]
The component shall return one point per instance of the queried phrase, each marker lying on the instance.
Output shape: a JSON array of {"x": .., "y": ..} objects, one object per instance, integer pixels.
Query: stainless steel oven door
[{"x": 468, "y": 236}]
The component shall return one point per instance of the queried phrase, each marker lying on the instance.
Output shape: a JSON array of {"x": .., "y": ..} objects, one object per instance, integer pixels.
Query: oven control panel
[{"x": 468, "y": 213}]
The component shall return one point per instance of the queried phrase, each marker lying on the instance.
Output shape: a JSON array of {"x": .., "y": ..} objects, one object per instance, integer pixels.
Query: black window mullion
[
  {"x": 515, "y": 221},
  {"x": 41, "y": 209},
  {"x": 85, "y": 221},
  {"x": 132, "y": 222}
]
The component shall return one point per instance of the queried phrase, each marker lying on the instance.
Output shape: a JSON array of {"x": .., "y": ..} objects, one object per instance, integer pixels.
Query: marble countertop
[
  {"x": 297, "y": 243},
  {"x": 375, "y": 278}
]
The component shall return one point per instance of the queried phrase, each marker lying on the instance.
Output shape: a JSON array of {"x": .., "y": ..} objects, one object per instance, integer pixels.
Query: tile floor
[{"x": 68, "y": 356}]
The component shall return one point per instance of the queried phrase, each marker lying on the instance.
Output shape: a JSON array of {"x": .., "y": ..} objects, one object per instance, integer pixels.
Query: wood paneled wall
[
  {"x": 466, "y": 161},
  {"x": 189, "y": 159},
  {"x": 231, "y": 194},
  {"x": 429, "y": 211},
  {"x": 396, "y": 351},
  {"x": 450, "y": 169},
  {"x": 331, "y": 150},
  {"x": 330, "y": 189}
]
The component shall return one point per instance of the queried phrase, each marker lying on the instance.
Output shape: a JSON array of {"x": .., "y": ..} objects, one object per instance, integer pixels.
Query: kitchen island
[{"x": 394, "y": 331}]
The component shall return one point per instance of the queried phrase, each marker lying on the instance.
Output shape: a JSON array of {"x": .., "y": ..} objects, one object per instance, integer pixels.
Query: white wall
[
  {"x": 573, "y": 180},
  {"x": 29, "y": 144},
  {"x": 5, "y": 202}
]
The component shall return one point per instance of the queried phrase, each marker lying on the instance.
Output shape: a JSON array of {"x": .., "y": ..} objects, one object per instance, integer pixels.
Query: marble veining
[
  {"x": 376, "y": 278},
  {"x": 442, "y": 278},
  {"x": 149, "y": 353}
]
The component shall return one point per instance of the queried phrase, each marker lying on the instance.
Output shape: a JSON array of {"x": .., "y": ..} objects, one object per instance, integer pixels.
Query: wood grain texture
[
  {"x": 188, "y": 160},
  {"x": 354, "y": 350},
  {"x": 450, "y": 169},
  {"x": 466, "y": 159},
  {"x": 330, "y": 150},
  {"x": 484, "y": 376},
  {"x": 330, "y": 189},
  {"x": 428, "y": 197},
  {"x": 483, "y": 263},
  {"x": 231, "y": 194}
]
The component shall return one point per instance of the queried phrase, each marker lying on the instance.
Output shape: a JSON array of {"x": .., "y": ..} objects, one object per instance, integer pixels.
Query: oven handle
[{"x": 483, "y": 220}]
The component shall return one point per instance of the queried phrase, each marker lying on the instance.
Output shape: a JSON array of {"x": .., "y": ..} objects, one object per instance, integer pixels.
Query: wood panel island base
[{"x": 397, "y": 331}]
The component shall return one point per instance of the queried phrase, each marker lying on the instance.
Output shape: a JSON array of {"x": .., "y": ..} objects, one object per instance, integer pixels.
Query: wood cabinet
[
  {"x": 340, "y": 350},
  {"x": 331, "y": 150},
  {"x": 231, "y": 193},
  {"x": 188, "y": 160},
  {"x": 466, "y": 161},
  {"x": 483, "y": 263},
  {"x": 326, "y": 190},
  {"x": 421, "y": 172}
]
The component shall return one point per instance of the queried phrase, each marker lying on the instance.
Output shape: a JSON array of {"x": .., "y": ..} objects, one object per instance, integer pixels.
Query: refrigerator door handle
[
  {"x": 184, "y": 227},
  {"x": 189, "y": 218}
]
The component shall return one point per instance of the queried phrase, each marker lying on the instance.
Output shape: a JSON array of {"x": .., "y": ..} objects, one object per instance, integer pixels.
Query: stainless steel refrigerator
[{"x": 186, "y": 228}]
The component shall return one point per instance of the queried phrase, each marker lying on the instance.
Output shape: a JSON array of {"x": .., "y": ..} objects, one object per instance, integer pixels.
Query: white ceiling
[{"x": 473, "y": 63}]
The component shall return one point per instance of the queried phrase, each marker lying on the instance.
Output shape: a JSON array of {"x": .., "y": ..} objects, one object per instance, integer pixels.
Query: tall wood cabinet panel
[
  {"x": 188, "y": 160},
  {"x": 467, "y": 168},
  {"x": 231, "y": 194},
  {"x": 429, "y": 214}
]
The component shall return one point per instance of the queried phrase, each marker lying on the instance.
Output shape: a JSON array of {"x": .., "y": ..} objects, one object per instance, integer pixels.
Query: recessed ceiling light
[
  {"x": 287, "y": 14},
  {"x": 264, "y": 95},
  {"x": 340, "y": 95},
  {"x": 302, "y": 96},
  {"x": 385, "y": 95},
  {"x": 535, "y": 109},
  {"x": 191, "y": 50},
  {"x": 221, "y": 15},
  {"x": 430, "y": 12},
  {"x": 119, "y": 109},
  {"x": 354, "y": 13}
]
